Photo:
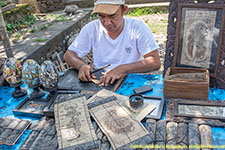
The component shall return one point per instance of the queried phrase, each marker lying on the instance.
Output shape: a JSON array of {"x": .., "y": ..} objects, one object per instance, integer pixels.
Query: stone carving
[
  {"x": 121, "y": 129},
  {"x": 182, "y": 135},
  {"x": 11, "y": 129},
  {"x": 206, "y": 136},
  {"x": 193, "y": 136},
  {"x": 73, "y": 124},
  {"x": 138, "y": 114}
]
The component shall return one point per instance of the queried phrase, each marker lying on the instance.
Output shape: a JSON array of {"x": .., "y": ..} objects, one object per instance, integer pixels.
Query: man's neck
[{"x": 114, "y": 35}]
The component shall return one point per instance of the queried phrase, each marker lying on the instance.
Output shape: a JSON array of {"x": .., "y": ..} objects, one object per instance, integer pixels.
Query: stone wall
[
  {"x": 15, "y": 15},
  {"x": 44, "y": 6}
]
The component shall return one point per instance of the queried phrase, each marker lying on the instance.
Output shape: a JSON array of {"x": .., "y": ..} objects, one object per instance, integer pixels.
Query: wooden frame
[
  {"x": 22, "y": 109},
  {"x": 198, "y": 36},
  {"x": 159, "y": 101},
  {"x": 170, "y": 112},
  {"x": 179, "y": 54},
  {"x": 204, "y": 114}
]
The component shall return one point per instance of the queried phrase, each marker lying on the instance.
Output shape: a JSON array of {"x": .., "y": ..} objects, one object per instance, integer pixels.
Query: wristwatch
[{"x": 136, "y": 101}]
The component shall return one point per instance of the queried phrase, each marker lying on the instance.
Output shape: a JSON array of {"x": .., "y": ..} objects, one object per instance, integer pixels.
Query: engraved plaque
[
  {"x": 121, "y": 129},
  {"x": 138, "y": 114},
  {"x": 73, "y": 125}
]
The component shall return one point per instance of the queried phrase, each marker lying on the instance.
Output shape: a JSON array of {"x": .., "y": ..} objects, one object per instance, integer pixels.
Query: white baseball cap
[{"x": 108, "y": 7}]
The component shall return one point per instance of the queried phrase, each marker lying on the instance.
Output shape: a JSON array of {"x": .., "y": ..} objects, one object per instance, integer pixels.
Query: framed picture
[
  {"x": 196, "y": 112},
  {"x": 196, "y": 38},
  {"x": 200, "y": 110},
  {"x": 158, "y": 102},
  {"x": 31, "y": 107}
]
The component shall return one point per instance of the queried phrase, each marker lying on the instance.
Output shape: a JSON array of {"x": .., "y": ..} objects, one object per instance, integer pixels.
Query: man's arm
[
  {"x": 74, "y": 61},
  {"x": 150, "y": 62}
]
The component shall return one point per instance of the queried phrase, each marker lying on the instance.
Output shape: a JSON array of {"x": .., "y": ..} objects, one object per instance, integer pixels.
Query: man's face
[{"x": 112, "y": 22}]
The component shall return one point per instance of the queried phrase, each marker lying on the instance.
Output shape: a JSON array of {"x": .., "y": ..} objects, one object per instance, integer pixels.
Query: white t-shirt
[{"x": 130, "y": 46}]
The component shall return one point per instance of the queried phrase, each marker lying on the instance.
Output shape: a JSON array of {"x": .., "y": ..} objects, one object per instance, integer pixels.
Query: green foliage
[
  {"x": 146, "y": 11},
  {"x": 40, "y": 40},
  {"x": 32, "y": 30},
  {"x": 45, "y": 26},
  {"x": 23, "y": 23},
  {"x": 94, "y": 16},
  {"x": 60, "y": 18},
  {"x": 4, "y": 3}
]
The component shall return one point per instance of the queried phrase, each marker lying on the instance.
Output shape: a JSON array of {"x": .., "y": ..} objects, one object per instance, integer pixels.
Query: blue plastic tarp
[{"x": 8, "y": 103}]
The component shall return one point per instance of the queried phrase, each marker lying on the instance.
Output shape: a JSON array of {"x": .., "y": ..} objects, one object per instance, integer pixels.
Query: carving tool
[{"x": 96, "y": 70}]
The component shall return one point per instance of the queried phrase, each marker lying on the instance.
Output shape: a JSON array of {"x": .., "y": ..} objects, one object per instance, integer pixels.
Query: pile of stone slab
[
  {"x": 162, "y": 133},
  {"x": 11, "y": 129},
  {"x": 42, "y": 137}
]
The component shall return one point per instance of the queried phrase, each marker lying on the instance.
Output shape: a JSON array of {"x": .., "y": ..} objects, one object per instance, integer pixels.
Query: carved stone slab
[
  {"x": 70, "y": 81},
  {"x": 160, "y": 135},
  {"x": 151, "y": 127},
  {"x": 171, "y": 129},
  {"x": 124, "y": 101},
  {"x": 206, "y": 136},
  {"x": 121, "y": 129},
  {"x": 193, "y": 136},
  {"x": 42, "y": 136},
  {"x": 11, "y": 129},
  {"x": 182, "y": 135},
  {"x": 73, "y": 125}
]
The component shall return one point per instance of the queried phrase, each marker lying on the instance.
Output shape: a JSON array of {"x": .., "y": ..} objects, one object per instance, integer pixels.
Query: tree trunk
[{"x": 4, "y": 36}]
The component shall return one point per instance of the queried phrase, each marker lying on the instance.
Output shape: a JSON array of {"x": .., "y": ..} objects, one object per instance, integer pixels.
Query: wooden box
[{"x": 190, "y": 83}]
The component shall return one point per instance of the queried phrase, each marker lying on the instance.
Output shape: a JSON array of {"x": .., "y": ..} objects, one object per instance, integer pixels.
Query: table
[{"x": 8, "y": 103}]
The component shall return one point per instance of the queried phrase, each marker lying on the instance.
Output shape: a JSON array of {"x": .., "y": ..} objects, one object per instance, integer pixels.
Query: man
[{"x": 125, "y": 43}]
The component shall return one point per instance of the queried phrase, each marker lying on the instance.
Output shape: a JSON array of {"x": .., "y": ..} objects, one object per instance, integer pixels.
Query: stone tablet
[
  {"x": 193, "y": 136},
  {"x": 206, "y": 136},
  {"x": 160, "y": 135},
  {"x": 121, "y": 129},
  {"x": 138, "y": 114},
  {"x": 182, "y": 135},
  {"x": 70, "y": 81},
  {"x": 12, "y": 129},
  {"x": 151, "y": 127},
  {"x": 171, "y": 129},
  {"x": 73, "y": 125},
  {"x": 43, "y": 136}
]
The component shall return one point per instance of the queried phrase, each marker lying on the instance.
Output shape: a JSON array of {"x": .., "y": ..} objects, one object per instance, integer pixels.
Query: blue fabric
[{"x": 8, "y": 103}]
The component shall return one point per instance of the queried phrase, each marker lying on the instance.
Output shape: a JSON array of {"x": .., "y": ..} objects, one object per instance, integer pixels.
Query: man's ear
[{"x": 125, "y": 9}]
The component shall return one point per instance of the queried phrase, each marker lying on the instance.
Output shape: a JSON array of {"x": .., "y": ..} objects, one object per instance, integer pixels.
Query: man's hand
[
  {"x": 84, "y": 72},
  {"x": 112, "y": 75}
]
